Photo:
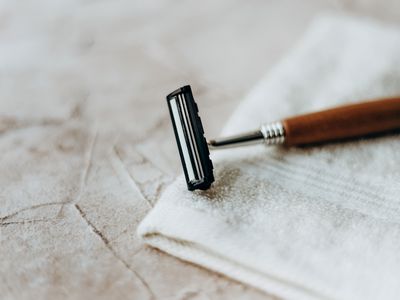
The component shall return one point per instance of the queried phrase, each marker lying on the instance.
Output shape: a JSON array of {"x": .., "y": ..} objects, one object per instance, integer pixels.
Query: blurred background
[{"x": 82, "y": 102}]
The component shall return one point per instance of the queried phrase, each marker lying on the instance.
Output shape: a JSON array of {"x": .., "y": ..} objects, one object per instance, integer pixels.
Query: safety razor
[{"x": 335, "y": 124}]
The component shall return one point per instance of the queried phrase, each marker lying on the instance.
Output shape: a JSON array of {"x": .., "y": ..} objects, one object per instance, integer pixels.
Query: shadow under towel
[{"x": 301, "y": 223}]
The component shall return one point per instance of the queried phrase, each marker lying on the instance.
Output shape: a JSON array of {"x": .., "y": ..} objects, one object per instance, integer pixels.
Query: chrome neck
[{"x": 269, "y": 134}]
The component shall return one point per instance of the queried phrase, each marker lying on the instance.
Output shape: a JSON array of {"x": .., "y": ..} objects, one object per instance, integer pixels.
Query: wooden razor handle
[{"x": 349, "y": 121}]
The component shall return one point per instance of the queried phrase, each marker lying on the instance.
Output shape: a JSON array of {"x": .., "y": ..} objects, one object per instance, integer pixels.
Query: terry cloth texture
[{"x": 302, "y": 223}]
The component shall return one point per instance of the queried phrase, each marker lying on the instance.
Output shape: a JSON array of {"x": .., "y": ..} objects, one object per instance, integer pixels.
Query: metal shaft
[{"x": 269, "y": 134}]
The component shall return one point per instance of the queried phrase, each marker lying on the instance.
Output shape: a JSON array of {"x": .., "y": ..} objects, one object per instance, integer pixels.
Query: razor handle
[{"x": 344, "y": 122}]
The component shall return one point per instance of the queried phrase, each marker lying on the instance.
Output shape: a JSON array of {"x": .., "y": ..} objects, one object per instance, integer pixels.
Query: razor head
[{"x": 189, "y": 134}]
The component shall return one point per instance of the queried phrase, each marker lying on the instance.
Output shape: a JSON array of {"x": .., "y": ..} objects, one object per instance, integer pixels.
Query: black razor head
[{"x": 189, "y": 134}]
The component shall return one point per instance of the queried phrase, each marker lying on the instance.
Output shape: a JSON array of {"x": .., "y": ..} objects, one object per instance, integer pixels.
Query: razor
[{"x": 340, "y": 123}]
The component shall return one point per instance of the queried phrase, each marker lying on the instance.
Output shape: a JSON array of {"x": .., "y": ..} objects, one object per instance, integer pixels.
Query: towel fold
[{"x": 301, "y": 223}]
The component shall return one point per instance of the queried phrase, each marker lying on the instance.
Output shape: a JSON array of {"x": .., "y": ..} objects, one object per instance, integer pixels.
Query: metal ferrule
[
  {"x": 273, "y": 133},
  {"x": 269, "y": 134}
]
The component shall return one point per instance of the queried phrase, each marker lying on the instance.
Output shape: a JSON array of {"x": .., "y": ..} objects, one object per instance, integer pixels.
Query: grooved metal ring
[{"x": 274, "y": 133}]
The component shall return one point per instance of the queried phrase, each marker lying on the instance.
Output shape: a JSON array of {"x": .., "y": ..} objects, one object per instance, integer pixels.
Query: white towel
[{"x": 301, "y": 223}]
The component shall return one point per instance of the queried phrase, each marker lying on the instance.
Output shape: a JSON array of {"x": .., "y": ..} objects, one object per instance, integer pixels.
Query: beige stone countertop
[{"x": 85, "y": 138}]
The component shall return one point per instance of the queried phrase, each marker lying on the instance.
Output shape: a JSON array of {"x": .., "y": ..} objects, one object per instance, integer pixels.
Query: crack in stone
[
  {"x": 163, "y": 178},
  {"x": 107, "y": 244},
  {"x": 8, "y": 123},
  {"x": 159, "y": 190},
  {"x": 88, "y": 160},
  {"x": 146, "y": 160},
  {"x": 118, "y": 235},
  {"x": 85, "y": 172},
  {"x": 34, "y": 221},
  {"x": 120, "y": 168},
  {"x": 189, "y": 295},
  {"x": 2, "y": 219},
  {"x": 155, "y": 194}
]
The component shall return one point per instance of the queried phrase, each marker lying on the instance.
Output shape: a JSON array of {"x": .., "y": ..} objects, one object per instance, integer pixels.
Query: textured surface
[
  {"x": 308, "y": 222},
  {"x": 85, "y": 137}
]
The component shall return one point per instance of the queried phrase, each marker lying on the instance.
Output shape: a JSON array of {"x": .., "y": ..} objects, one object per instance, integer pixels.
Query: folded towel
[{"x": 301, "y": 223}]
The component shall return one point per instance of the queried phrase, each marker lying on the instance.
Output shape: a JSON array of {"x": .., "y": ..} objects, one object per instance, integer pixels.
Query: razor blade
[
  {"x": 189, "y": 134},
  {"x": 194, "y": 148}
]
